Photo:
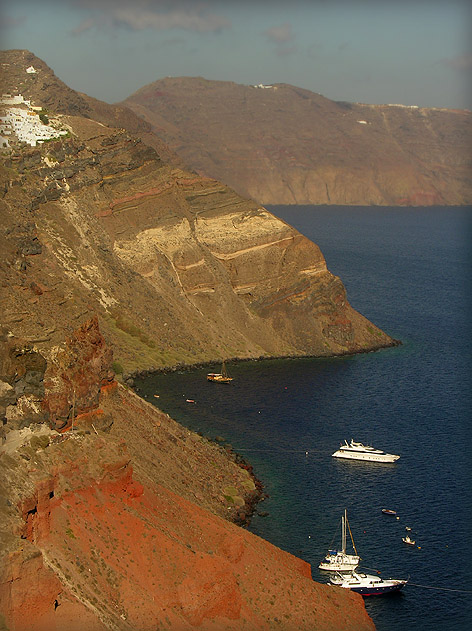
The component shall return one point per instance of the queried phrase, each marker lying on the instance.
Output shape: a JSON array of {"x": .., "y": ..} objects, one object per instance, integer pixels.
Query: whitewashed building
[{"x": 27, "y": 126}]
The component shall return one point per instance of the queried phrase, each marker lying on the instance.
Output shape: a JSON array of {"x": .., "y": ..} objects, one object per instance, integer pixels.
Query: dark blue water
[{"x": 407, "y": 270}]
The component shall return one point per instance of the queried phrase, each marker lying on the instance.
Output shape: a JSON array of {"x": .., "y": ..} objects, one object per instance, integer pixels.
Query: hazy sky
[{"x": 415, "y": 52}]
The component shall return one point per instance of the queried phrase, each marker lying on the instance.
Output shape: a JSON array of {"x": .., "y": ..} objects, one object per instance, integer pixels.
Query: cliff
[
  {"x": 285, "y": 145},
  {"x": 179, "y": 268},
  {"x": 101, "y": 533}
]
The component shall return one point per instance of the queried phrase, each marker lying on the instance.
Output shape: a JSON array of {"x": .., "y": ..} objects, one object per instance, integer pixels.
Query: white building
[
  {"x": 8, "y": 99},
  {"x": 27, "y": 126}
]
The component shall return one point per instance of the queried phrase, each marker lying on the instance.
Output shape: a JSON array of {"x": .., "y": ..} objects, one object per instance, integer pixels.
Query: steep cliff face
[
  {"x": 179, "y": 268},
  {"x": 100, "y": 532},
  {"x": 285, "y": 145}
]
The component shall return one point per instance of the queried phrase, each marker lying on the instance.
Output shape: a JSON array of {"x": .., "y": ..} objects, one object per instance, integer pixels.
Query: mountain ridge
[{"x": 282, "y": 144}]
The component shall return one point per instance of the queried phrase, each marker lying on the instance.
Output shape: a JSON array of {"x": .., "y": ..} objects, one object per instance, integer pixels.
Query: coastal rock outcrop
[
  {"x": 96, "y": 549},
  {"x": 281, "y": 144}
]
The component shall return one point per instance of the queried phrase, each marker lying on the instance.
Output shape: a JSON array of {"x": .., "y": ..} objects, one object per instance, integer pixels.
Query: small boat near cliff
[
  {"x": 388, "y": 511},
  {"x": 220, "y": 377},
  {"x": 358, "y": 451},
  {"x": 368, "y": 584},
  {"x": 339, "y": 560}
]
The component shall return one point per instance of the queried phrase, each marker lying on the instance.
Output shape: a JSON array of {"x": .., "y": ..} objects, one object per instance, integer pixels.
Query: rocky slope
[
  {"x": 285, "y": 145},
  {"x": 98, "y": 532}
]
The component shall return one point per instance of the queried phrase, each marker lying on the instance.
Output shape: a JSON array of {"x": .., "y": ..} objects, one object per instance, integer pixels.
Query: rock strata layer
[
  {"x": 116, "y": 259},
  {"x": 178, "y": 267}
]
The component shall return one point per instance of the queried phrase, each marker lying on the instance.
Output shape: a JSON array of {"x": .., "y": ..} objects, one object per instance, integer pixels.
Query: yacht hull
[
  {"x": 377, "y": 591},
  {"x": 365, "y": 457},
  {"x": 368, "y": 585}
]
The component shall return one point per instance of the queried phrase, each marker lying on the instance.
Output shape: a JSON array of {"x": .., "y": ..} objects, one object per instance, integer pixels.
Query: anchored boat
[
  {"x": 220, "y": 377},
  {"x": 408, "y": 540},
  {"x": 367, "y": 584},
  {"x": 339, "y": 560},
  {"x": 358, "y": 451}
]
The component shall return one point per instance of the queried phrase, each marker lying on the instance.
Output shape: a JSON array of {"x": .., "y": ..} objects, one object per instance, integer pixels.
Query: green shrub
[{"x": 117, "y": 368}]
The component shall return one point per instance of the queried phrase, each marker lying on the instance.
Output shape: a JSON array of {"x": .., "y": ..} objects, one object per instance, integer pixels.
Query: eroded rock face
[
  {"x": 286, "y": 145},
  {"x": 179, "y": 269},
  {"x": 21, "y": 366},
  {"x": 76, "y": 374},
  {"x": 116, "y": 522},
  {"x": 124, "y": 527},
  {"x": 22, "y": 370}
]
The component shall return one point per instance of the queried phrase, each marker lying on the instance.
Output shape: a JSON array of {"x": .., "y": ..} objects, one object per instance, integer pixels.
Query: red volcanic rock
[
  {"x": 74, "y": 379},
  {"x": 210, "y": 590},
  {"x": 100, "y": 551},
  {"x": 34, "y": 599}
]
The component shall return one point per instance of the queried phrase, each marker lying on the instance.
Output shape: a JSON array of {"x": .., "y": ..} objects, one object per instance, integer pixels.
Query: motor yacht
[
  {"x": 358, "y": 451},
  {"x": 367, "y": 584}
]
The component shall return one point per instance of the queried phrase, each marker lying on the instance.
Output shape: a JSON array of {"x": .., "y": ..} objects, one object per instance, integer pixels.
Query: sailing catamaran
[
  {"x": 338, "y": 560},
  {"x": 220, "y": 377}
]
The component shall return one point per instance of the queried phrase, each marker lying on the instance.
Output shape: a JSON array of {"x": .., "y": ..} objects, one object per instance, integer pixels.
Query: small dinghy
[
  {"x": 407, "y": 539},
  {"x": 387, "y": 511},
  {"x": 367, "y": 584}
]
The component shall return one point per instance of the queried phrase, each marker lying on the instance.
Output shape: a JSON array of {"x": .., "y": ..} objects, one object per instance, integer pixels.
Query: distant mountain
[{"x": 281, "y": 144}]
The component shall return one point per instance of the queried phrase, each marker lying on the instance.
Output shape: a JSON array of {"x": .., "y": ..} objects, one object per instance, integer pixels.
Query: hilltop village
[{"x": 23, "y": 122}]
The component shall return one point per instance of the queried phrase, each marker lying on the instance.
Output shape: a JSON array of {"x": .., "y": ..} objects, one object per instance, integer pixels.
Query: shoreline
[
  {"x": 241, "y": 516},
  {"x": 128, "y": 378}
]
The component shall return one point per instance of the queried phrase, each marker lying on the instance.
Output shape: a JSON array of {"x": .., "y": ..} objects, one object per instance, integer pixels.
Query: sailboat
[
  {"x": 338, "y": 560},
  {"x": 220, "y": 377}
]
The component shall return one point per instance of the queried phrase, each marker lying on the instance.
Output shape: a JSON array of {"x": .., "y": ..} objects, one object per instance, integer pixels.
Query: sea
[{"x": 409, "y": 271}]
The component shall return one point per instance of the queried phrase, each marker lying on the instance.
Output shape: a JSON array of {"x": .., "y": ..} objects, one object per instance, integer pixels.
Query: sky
[{"x": 413, "y": 52}]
